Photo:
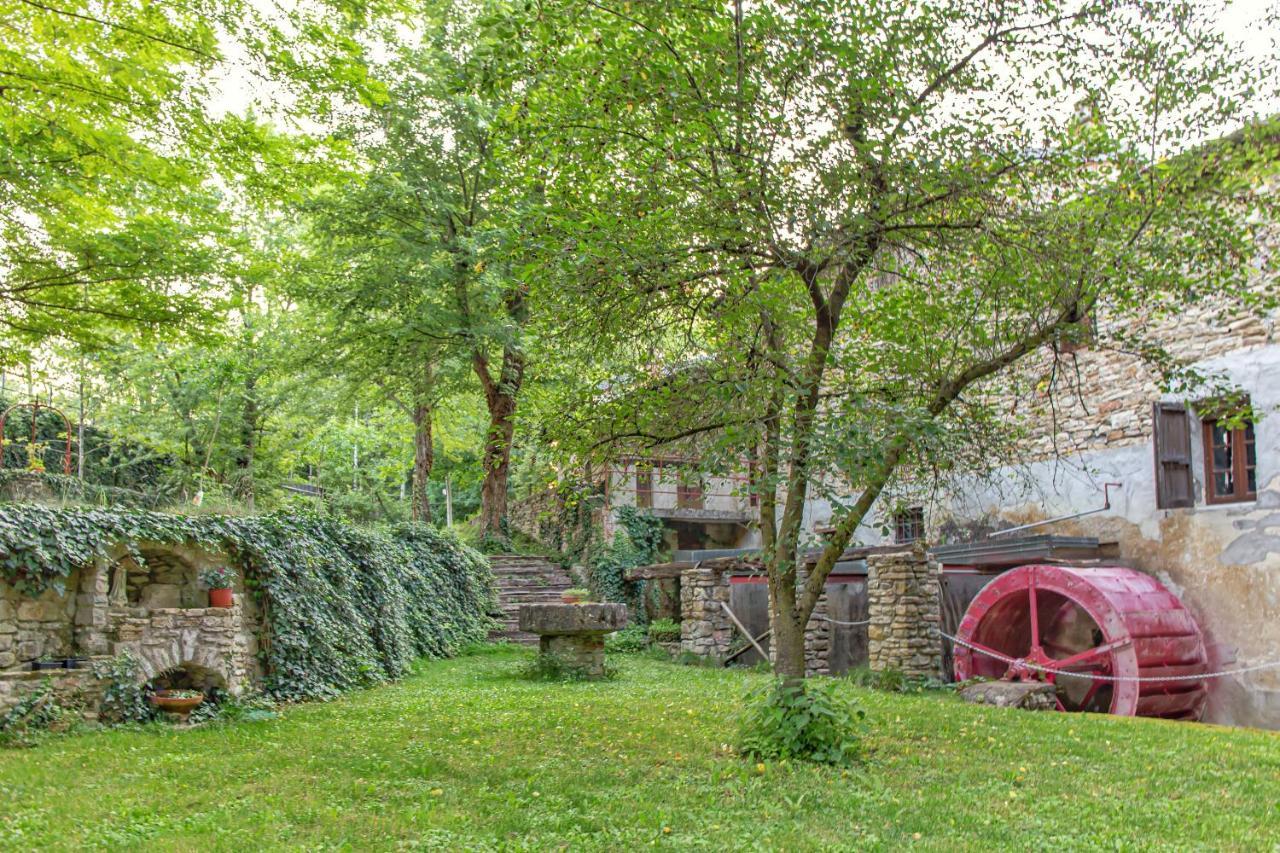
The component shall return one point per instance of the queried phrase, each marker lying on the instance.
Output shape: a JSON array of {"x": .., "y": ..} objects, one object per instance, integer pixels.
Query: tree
[
  {"x": 110, "y": 221},
  {"x": 433, "y": 226},
  {"x": 808, "y": 237}
]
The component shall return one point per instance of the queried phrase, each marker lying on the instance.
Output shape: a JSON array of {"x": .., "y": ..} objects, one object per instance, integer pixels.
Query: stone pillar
[
  {"x": 817, "y": 640},
  {"x": 903, "y": 603},
  {"x": 705, "y": 627}
]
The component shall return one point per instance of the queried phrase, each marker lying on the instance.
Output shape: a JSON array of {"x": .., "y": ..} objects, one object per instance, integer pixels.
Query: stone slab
[{"x": 569, "y": 619}]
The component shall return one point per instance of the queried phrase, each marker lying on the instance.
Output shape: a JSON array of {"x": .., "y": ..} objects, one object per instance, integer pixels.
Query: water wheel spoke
[
  {"x": 1090, "y": 654},
  {"x": 987, "y": 651},
  {"x": 1035, "y": 611}
]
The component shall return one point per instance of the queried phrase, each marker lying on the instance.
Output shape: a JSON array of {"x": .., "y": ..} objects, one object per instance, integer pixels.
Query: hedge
[{"x": 343, "y": 607}]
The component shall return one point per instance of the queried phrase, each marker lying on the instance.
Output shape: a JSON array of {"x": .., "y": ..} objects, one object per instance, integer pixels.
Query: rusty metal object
[{"x": 1113, "y": 622}]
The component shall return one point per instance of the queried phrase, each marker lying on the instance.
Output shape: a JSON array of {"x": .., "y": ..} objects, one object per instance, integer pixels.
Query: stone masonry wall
[
  {"x": 904, "y": 607},
  {"x": 1099, "y": 397},
  {"x": 705, "y": 629},
  {"x": 106, "y": 611}
]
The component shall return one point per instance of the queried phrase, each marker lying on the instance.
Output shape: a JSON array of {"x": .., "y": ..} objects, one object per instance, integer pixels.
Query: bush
[
  {"x": 893, "y": 681},
  {"x": 664, "y": 631},
  {"x": 807, "y": 721},
  {"x": 633, "y": 638}
]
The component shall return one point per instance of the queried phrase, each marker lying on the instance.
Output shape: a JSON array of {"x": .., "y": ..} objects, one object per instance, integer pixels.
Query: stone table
[{"x": 574, "y": 633}]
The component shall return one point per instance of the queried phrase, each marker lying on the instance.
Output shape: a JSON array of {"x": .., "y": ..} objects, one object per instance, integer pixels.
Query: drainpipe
[{"x": 1106, "y": 505}]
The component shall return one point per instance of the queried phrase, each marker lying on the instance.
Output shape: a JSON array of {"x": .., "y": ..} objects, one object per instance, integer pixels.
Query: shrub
[
  {"x": 633, "y": 638},
  {"x": 893, "y": 681},
  {"x": 37, "y": 714},
  {"x": 124, "y": 700},
  {"x": 807, "y": 721},
  {"x": 664, "y": 631}
]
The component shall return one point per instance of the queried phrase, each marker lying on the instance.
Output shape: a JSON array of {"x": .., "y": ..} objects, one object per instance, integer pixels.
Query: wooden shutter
[{"x": 1174, "y": 484}]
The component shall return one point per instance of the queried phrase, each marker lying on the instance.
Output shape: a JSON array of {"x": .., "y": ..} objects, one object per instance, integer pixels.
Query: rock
[
  {"x": 161, "y": 596},
  {"x": 1028, "y": 695}
]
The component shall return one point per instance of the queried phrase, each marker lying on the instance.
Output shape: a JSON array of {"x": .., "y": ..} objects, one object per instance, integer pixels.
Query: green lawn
[{"x": 465, "y": 755}]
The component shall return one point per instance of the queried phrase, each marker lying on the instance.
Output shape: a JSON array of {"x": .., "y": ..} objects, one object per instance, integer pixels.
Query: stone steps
[{"x": 518, "y": 580}]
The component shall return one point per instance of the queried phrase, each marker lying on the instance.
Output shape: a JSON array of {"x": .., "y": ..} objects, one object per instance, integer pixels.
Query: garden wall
[{"x": 319, "y": 607}]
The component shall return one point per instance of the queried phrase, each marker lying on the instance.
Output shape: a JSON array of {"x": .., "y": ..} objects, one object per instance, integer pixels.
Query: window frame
[
  {"x": 908, "y": 519},
  {"x": 1239, "y": 442}
]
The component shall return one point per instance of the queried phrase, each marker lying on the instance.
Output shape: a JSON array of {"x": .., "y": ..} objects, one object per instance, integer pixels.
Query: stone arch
[
  {"x": 184, "y": 650},
  {"x": 189, "y": 676}
]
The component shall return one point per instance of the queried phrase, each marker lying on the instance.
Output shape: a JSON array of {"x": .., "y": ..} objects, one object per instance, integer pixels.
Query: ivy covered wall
[{"x": 341, "y": 607}]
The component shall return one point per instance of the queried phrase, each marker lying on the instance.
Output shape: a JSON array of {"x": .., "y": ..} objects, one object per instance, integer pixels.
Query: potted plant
[
  {"x": 181, "y": 702},
  {"x": 218, "y": 579},
  {"x": 575, "y": 595}
]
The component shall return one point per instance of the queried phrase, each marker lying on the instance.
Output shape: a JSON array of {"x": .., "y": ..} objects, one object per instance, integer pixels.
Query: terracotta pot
[
  {"x": 565, "y": 598},
  {"x": 220, "y": 598},
  {"x": 175, "y": 705}
]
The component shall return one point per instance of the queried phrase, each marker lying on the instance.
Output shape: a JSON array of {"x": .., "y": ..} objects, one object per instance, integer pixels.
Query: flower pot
[
  {"x": 220, "y": 598},
  {"x": 174, "y": 704},
  {"x": 570, "y": 599},
  {"x": 41, "y": 665}
]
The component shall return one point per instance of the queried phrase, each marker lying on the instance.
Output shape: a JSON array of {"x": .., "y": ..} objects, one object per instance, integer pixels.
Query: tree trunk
[
  {"x": 248, "y": 441},
  {"x": 787, "y": 632},
  {"x": 497, "y": 466},
  {"x": 423, "y": 451}
]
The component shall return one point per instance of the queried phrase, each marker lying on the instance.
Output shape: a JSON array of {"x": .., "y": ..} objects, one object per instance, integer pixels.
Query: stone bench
[{"x": 574, "y": 633}]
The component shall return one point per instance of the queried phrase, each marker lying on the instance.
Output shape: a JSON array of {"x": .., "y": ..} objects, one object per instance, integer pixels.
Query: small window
[
  {"x": 1230, "y": 462},
  {"x": 644, "y": 488},
  {"x": 908, "y": 525},
  {"x": 689, "y": 489}
]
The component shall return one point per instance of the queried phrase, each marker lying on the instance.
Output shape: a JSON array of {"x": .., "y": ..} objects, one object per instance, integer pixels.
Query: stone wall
[
  {"x": 154, "y": 610},
  {"x": 903, "y": 603},
  {"x": 34, "y": 628},
  {"x": 1100, "y": 397}
]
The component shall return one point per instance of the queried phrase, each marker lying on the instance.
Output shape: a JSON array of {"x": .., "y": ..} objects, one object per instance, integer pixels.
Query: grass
[{"x": 466, "y": 755}]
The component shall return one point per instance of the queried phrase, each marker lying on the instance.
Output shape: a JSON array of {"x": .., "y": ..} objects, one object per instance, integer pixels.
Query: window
[
  {"x": 908, "y": 525},
  {"x": 644, "y": 488},
  {"x": 689, "y": 491},
  {"x": 1230, "y": 462}
]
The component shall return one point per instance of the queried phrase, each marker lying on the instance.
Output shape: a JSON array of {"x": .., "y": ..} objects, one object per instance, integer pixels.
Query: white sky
[{"x": 1245, "y": 22}]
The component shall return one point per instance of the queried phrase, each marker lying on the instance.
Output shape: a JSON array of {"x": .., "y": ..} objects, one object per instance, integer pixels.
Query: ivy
[
  {"x": 636, "y": 544},
  {"x": 342, "y": 607}
]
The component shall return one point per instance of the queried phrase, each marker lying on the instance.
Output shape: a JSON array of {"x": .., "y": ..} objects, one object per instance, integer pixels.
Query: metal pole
[{"x": 448, "y": 501}]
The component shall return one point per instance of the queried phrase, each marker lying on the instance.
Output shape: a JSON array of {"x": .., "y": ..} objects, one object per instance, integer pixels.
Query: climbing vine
[
  {"x": 342, "y": 607},
  {"x": 636, "y": 544}
]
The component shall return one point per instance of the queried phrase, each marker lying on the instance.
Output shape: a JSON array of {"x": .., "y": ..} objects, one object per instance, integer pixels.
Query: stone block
[
  {"x": 572, "y": 619},
  {"x": 1028, "y": 695},
  {"x": 159, "y": 596}
]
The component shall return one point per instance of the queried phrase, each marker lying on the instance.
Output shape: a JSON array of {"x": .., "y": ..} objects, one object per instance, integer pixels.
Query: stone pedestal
[
  {"x": 574, "y": 633},
  {"x": 905, "y": 612}
]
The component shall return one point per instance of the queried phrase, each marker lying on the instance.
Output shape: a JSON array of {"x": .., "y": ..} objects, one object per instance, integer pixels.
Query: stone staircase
[{"x": 524, "y": 580}]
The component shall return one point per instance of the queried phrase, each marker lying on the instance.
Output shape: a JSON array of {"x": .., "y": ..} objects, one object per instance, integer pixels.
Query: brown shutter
[{"x": 1174, "y": 484}]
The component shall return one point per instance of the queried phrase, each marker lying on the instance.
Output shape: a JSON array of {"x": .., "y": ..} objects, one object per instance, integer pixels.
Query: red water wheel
[{"x": 1097, "y": 621}]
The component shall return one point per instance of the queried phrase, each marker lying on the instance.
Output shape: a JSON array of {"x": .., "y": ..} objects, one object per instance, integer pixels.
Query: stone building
[
  {"x": 152, "y": 608},
  {"x": 1194, "y": 500}
]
